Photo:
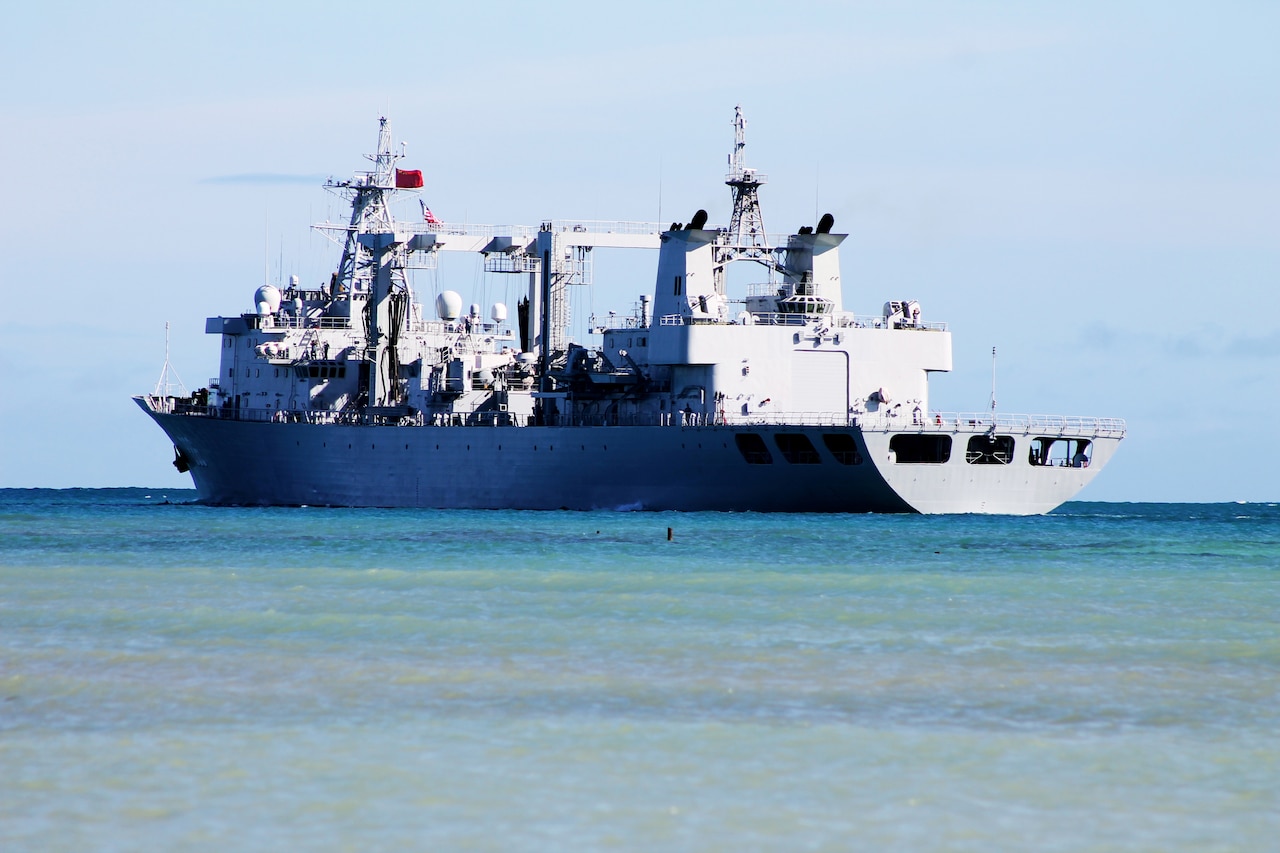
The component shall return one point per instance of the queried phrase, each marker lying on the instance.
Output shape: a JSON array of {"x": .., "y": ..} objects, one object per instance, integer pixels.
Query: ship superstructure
[{"x": 776, "y": 398}]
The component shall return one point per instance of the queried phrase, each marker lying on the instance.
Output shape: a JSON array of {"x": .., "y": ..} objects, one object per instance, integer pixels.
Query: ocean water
[{"x": 180, "y": 677}]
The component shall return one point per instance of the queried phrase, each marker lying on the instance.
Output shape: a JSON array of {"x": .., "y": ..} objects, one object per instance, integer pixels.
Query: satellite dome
[
  {"x": 267, "y": 299},
  {"x": 448, "y": 305},
  {"x": 499, "y": 312}
]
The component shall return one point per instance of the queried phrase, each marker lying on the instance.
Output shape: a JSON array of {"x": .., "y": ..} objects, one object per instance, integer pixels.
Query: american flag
[{"x": 427, "y": 215}]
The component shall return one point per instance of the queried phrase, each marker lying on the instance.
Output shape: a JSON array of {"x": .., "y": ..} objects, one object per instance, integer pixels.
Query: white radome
[
  {"x": 267, "y": 299},
  {"x": 449, "y": 305}
]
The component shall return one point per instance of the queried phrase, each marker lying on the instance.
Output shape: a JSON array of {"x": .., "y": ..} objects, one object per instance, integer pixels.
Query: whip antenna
[
  {"x": 169, "y": 380},
  {"x": 993, "y": 385}
]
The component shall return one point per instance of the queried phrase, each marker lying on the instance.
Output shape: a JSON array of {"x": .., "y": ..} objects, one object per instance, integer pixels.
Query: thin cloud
[
  {"x": 1185, "y": 346},
  {"x": 1264, "y": 346}
]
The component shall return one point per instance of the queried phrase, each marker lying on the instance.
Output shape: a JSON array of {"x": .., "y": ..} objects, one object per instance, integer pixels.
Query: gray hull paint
[{"x": 581, "y": 468}]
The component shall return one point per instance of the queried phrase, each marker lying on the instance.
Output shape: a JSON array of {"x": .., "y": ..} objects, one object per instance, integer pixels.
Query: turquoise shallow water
[{"x": 175, "y": 676}]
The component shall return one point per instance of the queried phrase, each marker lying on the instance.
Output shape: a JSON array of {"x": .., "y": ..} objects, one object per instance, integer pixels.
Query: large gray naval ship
[{"x": 355, "y": 393}]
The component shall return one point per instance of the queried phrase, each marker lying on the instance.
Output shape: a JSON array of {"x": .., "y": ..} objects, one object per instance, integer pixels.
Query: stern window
[
  {"x": 989, "y": 450},
  {"x": 1060, "y": 452},
  {"x": 919, "y": 449}
]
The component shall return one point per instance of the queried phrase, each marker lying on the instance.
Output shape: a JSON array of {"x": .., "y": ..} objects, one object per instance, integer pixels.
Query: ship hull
[{"x": 586, "y": 468}]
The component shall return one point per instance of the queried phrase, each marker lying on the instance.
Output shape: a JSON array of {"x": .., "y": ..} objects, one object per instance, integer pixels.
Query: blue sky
[{"x": 1092, "y": 188}]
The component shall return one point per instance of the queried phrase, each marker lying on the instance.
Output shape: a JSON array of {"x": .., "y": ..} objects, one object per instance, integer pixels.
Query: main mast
[{"x": 746, "y": 226}]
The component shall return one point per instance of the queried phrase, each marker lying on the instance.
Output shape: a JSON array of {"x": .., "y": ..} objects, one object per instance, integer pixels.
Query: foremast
[{"x": 371, "y": 274}]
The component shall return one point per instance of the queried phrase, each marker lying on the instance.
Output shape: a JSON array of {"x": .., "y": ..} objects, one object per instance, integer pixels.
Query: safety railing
[
  {"x": 291, "y": 321},
  {"x": 968, "y": 422},
  {"x": 838, "y": 321},
  {"x": 602, "y": 226},
  {"x": 864, "y": 321},
  {"x": 948, "y": 422}
]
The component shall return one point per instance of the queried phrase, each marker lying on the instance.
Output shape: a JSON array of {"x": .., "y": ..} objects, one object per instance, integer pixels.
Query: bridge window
[
  {"x": 920, "y": 449},
  {"x": 843, "y": 448},
  {"x": 1061, "y": 452},
  {"x": 989, "y": 450},
  {"x": 753, "y": 449},
  {"x": 797, "y": 449}
]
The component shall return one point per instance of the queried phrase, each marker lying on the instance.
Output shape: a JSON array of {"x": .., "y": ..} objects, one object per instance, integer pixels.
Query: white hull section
[{"x": 1018, "y": 488}]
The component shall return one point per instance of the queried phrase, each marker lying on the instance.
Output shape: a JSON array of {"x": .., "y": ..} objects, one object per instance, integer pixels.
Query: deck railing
[
  {"x": 294, "y": 321},
  {"x": 970, "y": 422},
  {"x": 940, "y": 422},
  {"x": 837, "y": 321}
]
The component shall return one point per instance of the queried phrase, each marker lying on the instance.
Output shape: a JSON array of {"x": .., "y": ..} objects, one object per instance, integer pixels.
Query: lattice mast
[
  {"x": 746, "y": 227},
  {"x": 369, "y": 212},
  {"x": 373, "y": 266}
]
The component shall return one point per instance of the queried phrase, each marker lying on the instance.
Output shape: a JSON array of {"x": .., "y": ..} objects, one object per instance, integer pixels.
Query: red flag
[{"x": 408, "y": 179}]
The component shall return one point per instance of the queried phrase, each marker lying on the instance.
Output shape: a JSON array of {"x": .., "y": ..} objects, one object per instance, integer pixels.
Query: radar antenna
[
  {"x": 384, "y": 162},
  {"x": 746, "y": 228}
]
